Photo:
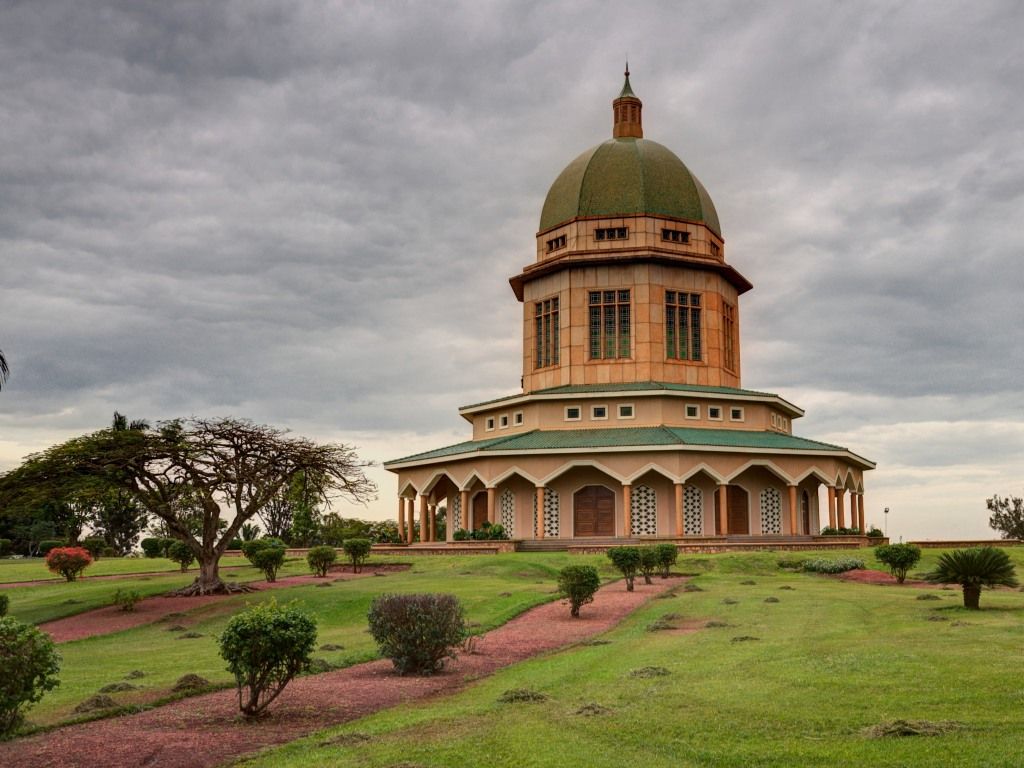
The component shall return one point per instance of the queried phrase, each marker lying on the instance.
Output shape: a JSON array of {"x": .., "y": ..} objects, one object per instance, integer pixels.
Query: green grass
[
  {"x": 832, "y": 658},
  {"x": 492, "y": 588},
  {"x": 34, "y": 568}
]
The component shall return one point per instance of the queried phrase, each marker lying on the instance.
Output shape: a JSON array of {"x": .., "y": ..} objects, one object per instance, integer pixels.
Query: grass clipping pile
[{"x": 896, "y": 729}]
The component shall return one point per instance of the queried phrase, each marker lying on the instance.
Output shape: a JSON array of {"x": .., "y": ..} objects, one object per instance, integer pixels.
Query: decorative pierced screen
[
  {"x": 456, "y": 515},
  {"x": 693, "y": 511},
  {"x": 507, "y": 505},
  {"x": 771, "y": 511},
  {"x": 550, "y": 513},
  {"x": 643, "y": 504}
]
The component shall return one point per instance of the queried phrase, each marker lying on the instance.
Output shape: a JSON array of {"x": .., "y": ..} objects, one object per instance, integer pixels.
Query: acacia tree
[
  {"x": 4, "y": 370},
  {"x": 227, "y": 468},
  {"x": 1007, "y": 516}
]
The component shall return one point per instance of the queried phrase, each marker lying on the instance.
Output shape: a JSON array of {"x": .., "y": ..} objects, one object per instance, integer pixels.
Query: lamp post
[{"x": 887, "y": 522}]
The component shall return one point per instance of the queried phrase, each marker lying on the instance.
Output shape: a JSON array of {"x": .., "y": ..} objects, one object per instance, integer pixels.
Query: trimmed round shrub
[
  {"x": 250, "y": 548},
  {"x": 321, "y": 559},
  {"x": 47, "y": 544},
  {"x": 5, "y": 604},
  {"x": 30, "y": 667},
  {"x": 648, "y": 562},
  {"x": 94, "y": 545},
  {"x": 6, "y": 546},
  {"x": 899, "y": 557},
  {"x": 269, "y": 558},
  {"x": 181, "y": 553},
  {"x": 626, "y": 560},
  {"x": 358, "y": 550},
  {"x": 234, "y": 545},
  {"x": 69, "y": 562},
  {"x": 417, "y": 632},
  {"x": 152, "y": 546},
  {"x": 578, "y": 583},
  {"x": 265, "y": 647},
  {"x": 668, "y": 554},
  {"x": 821, "y": 565}
]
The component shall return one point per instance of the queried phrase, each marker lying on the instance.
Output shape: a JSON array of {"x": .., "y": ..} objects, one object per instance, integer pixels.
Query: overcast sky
[{"x": 306, "y": 213}]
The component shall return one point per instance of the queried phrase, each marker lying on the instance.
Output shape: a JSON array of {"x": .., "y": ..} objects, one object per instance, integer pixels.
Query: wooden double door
[
  {"x": 593, "y": 511},
  {"x": 479, "y": 516},
  {"x": 737, "y": 508}
]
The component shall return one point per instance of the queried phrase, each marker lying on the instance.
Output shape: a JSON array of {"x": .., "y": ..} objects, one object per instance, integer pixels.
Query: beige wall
[{"x": 644, "y": 232}]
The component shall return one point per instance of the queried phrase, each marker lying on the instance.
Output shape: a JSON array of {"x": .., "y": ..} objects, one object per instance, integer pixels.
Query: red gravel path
[
  {"x": 205, "y": 731},
  {"x": 104, "y": 621},
  {"x": 867, "y": 576}
]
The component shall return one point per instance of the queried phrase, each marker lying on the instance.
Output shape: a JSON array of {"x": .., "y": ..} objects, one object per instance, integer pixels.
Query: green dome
[{"x": 626, "y": 176}]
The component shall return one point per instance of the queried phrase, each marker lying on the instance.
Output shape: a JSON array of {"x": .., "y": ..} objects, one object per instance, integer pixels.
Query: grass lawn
[
  {"x": 831, "y": 658},
  {"x": 492, "y": 588},
  {"x": 34, "y": 568}
]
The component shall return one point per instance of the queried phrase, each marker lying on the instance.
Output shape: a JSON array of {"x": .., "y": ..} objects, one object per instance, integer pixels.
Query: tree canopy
[{"x": 1007, "y": 516}]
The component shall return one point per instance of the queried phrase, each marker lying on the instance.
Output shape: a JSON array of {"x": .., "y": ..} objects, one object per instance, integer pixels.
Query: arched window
[
  {"x": 693, "y": 511},
  {"x": 771, "y": 511},
  {"x": 643, "y": 503}
]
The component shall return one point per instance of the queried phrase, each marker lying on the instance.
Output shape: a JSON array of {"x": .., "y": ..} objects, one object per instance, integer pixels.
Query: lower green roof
[{"x": 625, "y": 437}]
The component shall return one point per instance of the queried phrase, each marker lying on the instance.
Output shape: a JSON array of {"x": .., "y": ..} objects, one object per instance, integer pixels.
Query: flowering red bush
[{"x": 69, "y": 562}]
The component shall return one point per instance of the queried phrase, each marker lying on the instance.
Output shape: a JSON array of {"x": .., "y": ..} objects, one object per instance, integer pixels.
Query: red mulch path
[
  {"x": 109, "y": 619},
  {"x": 206, "y": 731},
  {"x": 868, "y": 576}
]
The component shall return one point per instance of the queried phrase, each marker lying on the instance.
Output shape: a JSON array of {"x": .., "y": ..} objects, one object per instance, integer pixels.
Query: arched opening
[
  {"x": 479, "y": 507},
  {"x": 805, "y": 512},
  {"x": 737, "y": 508},
  {"x": 593, "y": 511}
]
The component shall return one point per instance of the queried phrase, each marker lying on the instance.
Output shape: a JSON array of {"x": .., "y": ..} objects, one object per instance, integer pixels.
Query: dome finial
[{"x": 626, "y": 112}]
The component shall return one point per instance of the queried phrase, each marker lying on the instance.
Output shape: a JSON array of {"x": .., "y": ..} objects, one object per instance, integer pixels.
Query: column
[
  {"x": 793, "y": 530},
  {"x": 841, "y": 507},
  {"x": 401, "y": 518},
  {"x": 627, "y": 510},
  {"x": 432, "y": 521},
  {"x": 410, "y": 506},
  {"x": 492, "y": 495},
  {"x": 831, "y": 506},
  {"x": 450, "y": 523},
  {"x": 723, "y": 509},
  {"x": 539, "y": 530},
  {"x": 464, "y": 509},
  {"x": 680, "y": 528},
  {"x": 424, "y": 530},
  {"x": 860, "y": 513}
]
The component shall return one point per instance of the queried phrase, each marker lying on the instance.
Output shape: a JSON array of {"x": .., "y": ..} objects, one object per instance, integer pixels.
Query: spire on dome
[{"x": 626, "y": 113}]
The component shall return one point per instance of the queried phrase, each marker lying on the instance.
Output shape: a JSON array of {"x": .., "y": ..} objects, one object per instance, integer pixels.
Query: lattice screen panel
[
  {"x": 693, "y": 511},
  {"x": 643, "y": 504},
  {"x": 771, "y": 511}
]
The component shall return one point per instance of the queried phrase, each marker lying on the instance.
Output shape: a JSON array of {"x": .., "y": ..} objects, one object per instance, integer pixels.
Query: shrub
[
  {"x": 417, "y": 632},
  {"x": 152, "y": 546},
  {"x": 181, "y": 553},
  {"x": 269, "y": 559},
  {"x": 899, "y": 557},
  {"x": 461, "y": 535},
  {"x": 47, "y": 544},
  {"x": 110, "y": 552},
  {"x": 668, "y": 554},
  {"x": 648, "y": 562},
  {"x": 125, "y": 599},
  {"x": 875, "y": 533},
  {"x": 973, "y": 569},
  {"x": 830, "y": 531},
  {"x": 792, "y": 562},
  {"x": 320, "y": 559},
  {"x": 94, "y": 545},
  {"x": 578, "y": 583},
  {"x": 626, "y": 560},
  {"x": 5, "y": 605},
  {"x": 820, "y": 565},
  {"x": 5, "y": 547},
  {"x": 250, "y": 548},
  {"x": 358, "y": 550},
  {"x": 30, "y": 664},
  {"x": 488, "y": 531},
  {"x": 265, "y": 647},
  {"x": 69, "y": 562},
  {"x": 235, "y": 545}
]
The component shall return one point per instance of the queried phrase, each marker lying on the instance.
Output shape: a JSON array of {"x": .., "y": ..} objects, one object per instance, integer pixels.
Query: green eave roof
[
  {"x": 633, "y": 386},
  {"x": 625, "y": 437},
  {"x": 627, "y": 176}
]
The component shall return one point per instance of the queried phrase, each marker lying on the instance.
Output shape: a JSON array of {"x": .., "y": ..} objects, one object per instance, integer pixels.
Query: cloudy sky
[{"x": 305, "y": 213}]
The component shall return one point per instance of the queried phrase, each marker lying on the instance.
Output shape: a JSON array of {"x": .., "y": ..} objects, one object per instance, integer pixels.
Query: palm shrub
[
  {"x": 320, "y": 559},
  {"x": 973, "y": 569},
  {"x": 30, "y": 667},
  {"x": 265, "y": 647},
  {"x": 899, "y": 557},
  {"x": 358, "y": 550},
  {"x": 578, "y": 583},
  {"x": 181, "y": 553},
  {"x": 648, "y": 563},
  {"x": 626, "y": 560},
  {"x": 417, "y": 632},
  {"x": 69, "y": 562},
  {"x": 668, "y": 554}
]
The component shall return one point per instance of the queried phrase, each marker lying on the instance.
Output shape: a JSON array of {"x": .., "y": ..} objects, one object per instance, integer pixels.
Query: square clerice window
[
  {"x": 625, "y": 411},
  {"x": 693, "y": 411},
  {"x": 715, "y": 413},
  {"x": 572, "y": 413},
  {"x": 599, "y": 412}
]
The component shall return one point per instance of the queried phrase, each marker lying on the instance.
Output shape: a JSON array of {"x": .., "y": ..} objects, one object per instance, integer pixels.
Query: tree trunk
[
  {"x": 629, "y": 583},
  {"x": 208, "y": 582},
  {"x": 972, "y": 596}
]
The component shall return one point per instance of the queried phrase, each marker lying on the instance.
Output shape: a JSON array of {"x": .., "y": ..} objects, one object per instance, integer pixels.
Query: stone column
[
  {"x": 831, "y": 506},
  {"x": 450, "y": 523},
  {"x": 860, "y": 513},
  {"x": 492, "y": 495},
  {"x": 410, "y": 505},
  {"x": 464, "y": 503},
  {"x": 841, "y": 507},
  {"x": 401, "y": 518},
  {"x": 538, "y": 532},
  {"x": 723, "y": 509},
  {"x": 680, "y": 527},
  {"x": 432, "y": 521},
  {"x": 627, "y": 510},
  {"x": 424, "y": 529},
  {"x": 793, "y": 526}
]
